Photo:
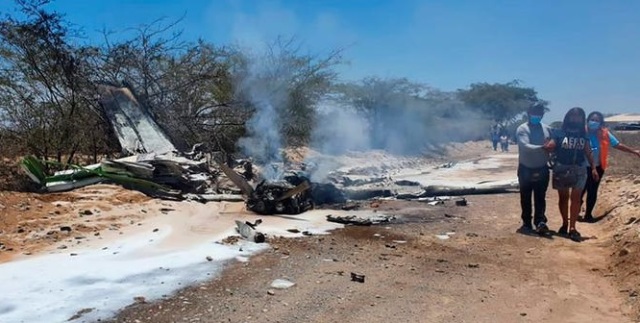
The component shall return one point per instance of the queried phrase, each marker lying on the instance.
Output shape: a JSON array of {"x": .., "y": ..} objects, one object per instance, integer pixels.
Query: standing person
[
  {"x": 601, "y": 139},
  {"x": 572, "y": 149},
  {"x": 495, "y": 136},
  {"x": 533, "y": 173},
  {"x": 504, "y": 142}
]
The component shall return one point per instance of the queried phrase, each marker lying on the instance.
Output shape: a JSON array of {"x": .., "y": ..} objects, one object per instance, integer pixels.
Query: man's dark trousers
[{"x": 533, "y": 181}]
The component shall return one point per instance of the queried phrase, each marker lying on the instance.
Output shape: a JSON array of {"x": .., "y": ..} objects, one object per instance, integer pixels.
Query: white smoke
[
  {"x": 340, "y": 128},
  {"x": 264, "y": 140},
  {"x": 266, "y": 89}
]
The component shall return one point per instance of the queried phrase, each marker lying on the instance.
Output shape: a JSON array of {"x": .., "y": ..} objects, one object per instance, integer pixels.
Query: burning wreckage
[{"x": 155, "y": 167}]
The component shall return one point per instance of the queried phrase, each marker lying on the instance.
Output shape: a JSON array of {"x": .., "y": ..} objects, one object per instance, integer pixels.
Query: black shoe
[
  {"x": 575, "y": 236},
  {"x": 563, "y": 230},
  {"x": 525, "y": 229},
  {"x": 542, "y": 229},
  {"x": 589, "y": 219}
]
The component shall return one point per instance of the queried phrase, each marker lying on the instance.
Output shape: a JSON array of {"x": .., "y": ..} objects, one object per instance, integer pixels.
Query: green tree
[{"x": 500, "y": 102}]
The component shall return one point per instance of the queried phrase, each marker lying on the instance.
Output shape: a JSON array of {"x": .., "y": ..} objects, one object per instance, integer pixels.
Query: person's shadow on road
[{"x": 533, "y": 233}]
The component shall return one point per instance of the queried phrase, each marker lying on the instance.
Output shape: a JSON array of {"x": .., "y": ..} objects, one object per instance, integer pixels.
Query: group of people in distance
[
  {"x": 574, "y": 157},
  {"x": 499, "y": 136}
]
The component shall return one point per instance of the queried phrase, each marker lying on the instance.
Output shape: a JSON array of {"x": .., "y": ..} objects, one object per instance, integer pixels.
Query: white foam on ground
[
  {"x": 485, "y": 172},
  {"x": 53, "y": 288},
  {"x": 143, "y": 262}
]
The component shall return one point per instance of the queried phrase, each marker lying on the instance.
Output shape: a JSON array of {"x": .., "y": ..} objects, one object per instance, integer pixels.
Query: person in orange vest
[{"x": 601, "y": 140}]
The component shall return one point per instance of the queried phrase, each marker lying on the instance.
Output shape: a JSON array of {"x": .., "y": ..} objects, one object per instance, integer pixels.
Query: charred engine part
[
  {"x": 281, "y": 197},
  {"x": 293, "y": 194}
]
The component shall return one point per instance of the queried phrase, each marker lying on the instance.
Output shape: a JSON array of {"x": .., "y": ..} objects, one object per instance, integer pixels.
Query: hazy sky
[{"x": 575, "y": 53}]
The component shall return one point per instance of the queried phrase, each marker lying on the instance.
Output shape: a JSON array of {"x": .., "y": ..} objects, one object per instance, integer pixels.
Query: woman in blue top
[
  {"x": 601, "y": 140},
  {"x": 571, "y": 149}
]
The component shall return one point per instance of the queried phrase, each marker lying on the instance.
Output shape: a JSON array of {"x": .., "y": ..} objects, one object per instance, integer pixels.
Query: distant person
[
  {"x": 601, "y": 139},
  {"x": 571, "y": 148},
  {"x": 533, "y": 172},
  {"x": 495, "y": 137},
  {"x": 504, "y": 143}
]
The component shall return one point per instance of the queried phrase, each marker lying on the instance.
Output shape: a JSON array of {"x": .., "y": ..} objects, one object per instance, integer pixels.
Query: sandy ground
[
  {"x": 483, "y": 271},
  {"x": 31, "y": 223}
]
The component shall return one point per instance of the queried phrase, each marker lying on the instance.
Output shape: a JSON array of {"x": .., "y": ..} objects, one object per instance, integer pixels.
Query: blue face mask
[
  {"x": 594, "y": 125},
  {"x": 535, "y": 120}
]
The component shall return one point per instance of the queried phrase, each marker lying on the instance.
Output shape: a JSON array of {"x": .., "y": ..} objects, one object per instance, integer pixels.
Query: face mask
[
  {"x": 535, "y": 120},
  {"x": 594, "y": 125}
]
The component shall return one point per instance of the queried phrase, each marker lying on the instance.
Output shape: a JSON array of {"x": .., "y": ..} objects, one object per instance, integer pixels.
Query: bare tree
[
  {"x": 291, "y": 81},
  {"x": 187, "y": 87},
  {"x": 46, "y": 97}
]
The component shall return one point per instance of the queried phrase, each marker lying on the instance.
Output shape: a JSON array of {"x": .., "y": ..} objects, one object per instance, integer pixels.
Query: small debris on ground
[
  {"x": 357, "y": 277},
  {"x": 356, "y": 220},
  {"x": 247, "y": 231},
  {"x": 350, "y": 206},
  {"x": 282, "y": 284}
]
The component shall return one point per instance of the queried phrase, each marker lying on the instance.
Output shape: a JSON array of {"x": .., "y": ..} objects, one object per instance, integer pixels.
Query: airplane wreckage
[{"x": 155, "y": 167}]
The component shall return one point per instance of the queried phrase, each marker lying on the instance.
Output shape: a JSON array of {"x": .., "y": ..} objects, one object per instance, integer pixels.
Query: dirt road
[{"x": 484, "y": 272}]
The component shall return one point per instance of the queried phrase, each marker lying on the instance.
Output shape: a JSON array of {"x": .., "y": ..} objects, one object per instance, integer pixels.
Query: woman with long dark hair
[
  {"x": 601, "y": 139},
  {"x": 572, "y": 149}
]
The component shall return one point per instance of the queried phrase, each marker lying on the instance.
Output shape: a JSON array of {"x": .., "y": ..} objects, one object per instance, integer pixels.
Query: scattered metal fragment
[
  {"x": 357, "y": 277},
  {"x": 462, "y": 202},
  {"x": 350, "y": 206},
  {"x": 356, "y": 220},
  {"x": 247, "y": 230}
]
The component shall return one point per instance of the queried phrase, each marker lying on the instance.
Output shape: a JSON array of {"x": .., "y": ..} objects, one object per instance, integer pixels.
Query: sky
[{"x": 573, "y": 52}]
